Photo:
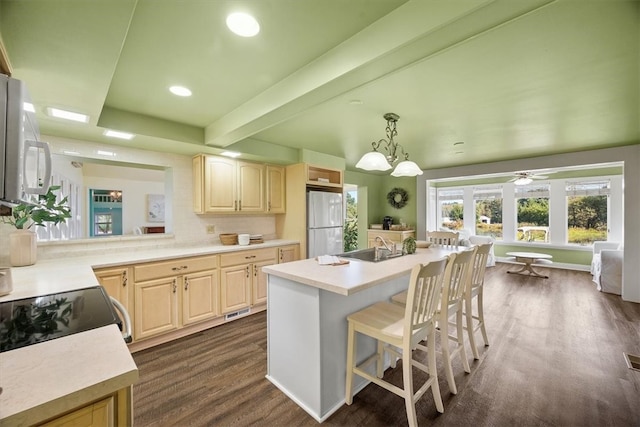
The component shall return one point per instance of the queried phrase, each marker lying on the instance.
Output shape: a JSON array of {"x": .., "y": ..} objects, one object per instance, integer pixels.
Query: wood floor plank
[{"x": 555, "y": 359}]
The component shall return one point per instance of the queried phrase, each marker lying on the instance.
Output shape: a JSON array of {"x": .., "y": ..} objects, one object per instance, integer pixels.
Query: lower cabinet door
[
  {"x": 200, "y": 297},
  {"x": 156, "y": 307},
  {"x": 235, "y": 287},
  {"x": 99, "y": 414},
  {"x": 259, "y": 291}
]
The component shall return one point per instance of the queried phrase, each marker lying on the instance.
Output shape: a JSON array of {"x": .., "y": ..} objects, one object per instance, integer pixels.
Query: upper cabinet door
[
  {"x": 220, "y": 189},
  {"x": 251, "y": 187},
  {"x": 275, "y": 189}
]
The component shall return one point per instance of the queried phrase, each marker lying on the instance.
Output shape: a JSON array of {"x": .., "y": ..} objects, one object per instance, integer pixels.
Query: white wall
[
  {"x": 630, "y": 155},
  {"x": 189, "y": 229}
]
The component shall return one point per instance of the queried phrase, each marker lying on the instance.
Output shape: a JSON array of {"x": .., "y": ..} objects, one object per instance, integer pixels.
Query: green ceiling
[{"x": 510, "y": 79}]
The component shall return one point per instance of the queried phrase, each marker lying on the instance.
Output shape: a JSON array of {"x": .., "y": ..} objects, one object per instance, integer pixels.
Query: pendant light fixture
[{"x": 376, "y": 161}]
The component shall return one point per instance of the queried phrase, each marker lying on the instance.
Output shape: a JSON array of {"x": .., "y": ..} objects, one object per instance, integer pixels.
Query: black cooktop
[{"x": 33, "y": 320}]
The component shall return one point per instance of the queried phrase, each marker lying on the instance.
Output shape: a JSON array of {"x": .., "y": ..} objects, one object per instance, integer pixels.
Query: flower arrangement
[{"x": 45, "y": 210}]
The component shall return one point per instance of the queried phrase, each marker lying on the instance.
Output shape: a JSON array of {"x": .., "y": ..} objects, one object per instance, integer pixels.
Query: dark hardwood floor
[{"x": 555, "y": 359}]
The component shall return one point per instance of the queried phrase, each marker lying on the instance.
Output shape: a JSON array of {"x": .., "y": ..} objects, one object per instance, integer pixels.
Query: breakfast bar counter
[{"x": 307, "y": 308}]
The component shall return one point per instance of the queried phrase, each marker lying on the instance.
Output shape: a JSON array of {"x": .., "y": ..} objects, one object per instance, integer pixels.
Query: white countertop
[
  {"x": 42, "y": 380},
  {"x": 357, "y": 275},
  {"x": 64, "y": 274}
]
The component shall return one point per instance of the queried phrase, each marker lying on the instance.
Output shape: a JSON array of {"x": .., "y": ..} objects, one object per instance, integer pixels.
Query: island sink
[{"x": 376, "y": 254}]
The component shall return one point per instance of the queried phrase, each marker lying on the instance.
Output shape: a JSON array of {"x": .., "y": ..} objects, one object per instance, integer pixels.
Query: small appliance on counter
[{"x": 387, "y": 222}]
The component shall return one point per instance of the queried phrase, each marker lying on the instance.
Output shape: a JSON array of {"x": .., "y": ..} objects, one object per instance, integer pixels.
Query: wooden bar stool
[
  {"x": 474, "y": 290},
  {"x": 457, "y": 278},
  {"x": 403, "y": 328}
]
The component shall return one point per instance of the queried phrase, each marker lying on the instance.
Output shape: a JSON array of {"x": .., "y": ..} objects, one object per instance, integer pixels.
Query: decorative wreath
[{"x": 398, "y": 198}]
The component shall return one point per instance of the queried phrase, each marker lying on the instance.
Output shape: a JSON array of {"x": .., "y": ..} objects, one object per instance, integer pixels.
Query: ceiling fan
[{"x": 524, "y": 178}]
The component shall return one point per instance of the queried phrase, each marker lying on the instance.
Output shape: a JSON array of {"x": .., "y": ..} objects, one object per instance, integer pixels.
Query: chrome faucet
[{"x": 391, "y": 249}]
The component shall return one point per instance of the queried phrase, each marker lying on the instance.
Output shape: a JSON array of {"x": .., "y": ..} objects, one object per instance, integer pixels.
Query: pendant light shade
[
  {"x": 406, "y": 168},
  {"x": 376, "y": 161}
]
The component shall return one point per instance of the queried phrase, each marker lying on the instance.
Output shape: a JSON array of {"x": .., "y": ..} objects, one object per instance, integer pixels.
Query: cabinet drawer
[
  {"x": 156, "y": 270},
  {"x": 244, "y": 257}
]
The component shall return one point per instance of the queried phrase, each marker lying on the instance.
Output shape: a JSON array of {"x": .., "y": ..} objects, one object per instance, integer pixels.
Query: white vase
[{"x": 22, "y": 248}]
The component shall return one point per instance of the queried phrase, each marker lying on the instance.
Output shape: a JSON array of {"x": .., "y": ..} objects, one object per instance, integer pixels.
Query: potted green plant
[
  {"x": 409, "y": 245},
  {"x": 46, "y": 209}
]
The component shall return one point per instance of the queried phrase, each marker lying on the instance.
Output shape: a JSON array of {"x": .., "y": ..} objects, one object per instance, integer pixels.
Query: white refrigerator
[{"x": 324, "y": 223}]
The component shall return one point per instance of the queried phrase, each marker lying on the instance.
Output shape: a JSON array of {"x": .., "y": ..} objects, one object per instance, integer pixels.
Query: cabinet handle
[
  {"x": 235, "y": 205},
  {"x": 186, "y": 284},
  {"x": 255, "y": 270},
  {"x": 239, "y": 205},
  {"x": 281, "y": 253},
  {"x": 175, "y": 268},
  {"x": 175, "y": 285},
  {"x": 124, "y": 278},
  {"x": 247, "y": 270},
  {"x": 184, "y": 267},
  {"x": 249, "y": 256},
  {"x": 269, "y": 207}
]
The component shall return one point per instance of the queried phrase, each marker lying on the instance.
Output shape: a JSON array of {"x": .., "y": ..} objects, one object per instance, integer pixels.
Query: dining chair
[
  {"x": 396, "y": 327},
  {"x": 475, "y": 291},
  {"x": 456, "y": 280},
  {"x": 443, "y": 239}
]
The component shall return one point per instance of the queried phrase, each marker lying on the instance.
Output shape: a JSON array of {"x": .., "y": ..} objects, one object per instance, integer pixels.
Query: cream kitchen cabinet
[
  {"x": 112, "y": 410},
  {"x": 116, "y": 283},
  {"x": 242, "y": 282},
  {"x": 288, "y": 253},
  {"x": 223, "y": 185},
  {"x": 276, "y": 185},
  {"x": 175, "y": 293}
]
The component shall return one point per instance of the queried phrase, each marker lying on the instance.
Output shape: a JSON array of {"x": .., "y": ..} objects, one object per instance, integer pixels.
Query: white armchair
[
  {"x": 606, "y": 267},
  {"x": 481, "y": 240}
]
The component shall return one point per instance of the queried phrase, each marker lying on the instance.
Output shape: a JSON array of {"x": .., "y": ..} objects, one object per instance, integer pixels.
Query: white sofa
[
  {"x": 606, "y": 266},
  {"x": 481, "y": 240}
]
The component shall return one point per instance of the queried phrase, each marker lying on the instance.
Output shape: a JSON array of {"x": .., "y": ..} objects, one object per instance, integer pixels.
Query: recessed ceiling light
[
  {"x": 118, "y": 134},
  {"x": 355, "y": 102},
  {"x": 67, "y": 115},
  {"x": 230, "y": 154},
  {"x": 243, "y": 24},
  {"x": 106, "y": 153},
  {"x": 180, "y": 91},
  {"x": 28, "y": 107}
]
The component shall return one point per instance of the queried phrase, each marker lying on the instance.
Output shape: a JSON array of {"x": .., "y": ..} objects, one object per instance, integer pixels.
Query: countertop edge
[{"x": 112, "y": 368}]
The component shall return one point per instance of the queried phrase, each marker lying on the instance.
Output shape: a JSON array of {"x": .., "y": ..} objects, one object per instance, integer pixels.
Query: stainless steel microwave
[{"x": 25, "y": 161}]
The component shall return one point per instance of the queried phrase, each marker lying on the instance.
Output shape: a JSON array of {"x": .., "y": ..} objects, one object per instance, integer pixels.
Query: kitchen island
[{"x": 307, "y": 311}]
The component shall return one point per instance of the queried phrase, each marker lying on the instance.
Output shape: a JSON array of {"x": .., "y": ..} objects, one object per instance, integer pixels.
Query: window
[
  {"x": 562, "y": 212},
  {"x": 451, "y": 208},
  {"x": 103, "y": 224},
  {"x": 532, "y": 207},
  {"x": 587, "y": 211},
  {"x": 351, "y": 218},
  {"x": 488, "y": 208}
]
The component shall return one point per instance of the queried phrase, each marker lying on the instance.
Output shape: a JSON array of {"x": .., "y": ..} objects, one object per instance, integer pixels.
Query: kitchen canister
[
  {"x": 6, "y": 284},
  {"x": 243, "y": 239}
]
